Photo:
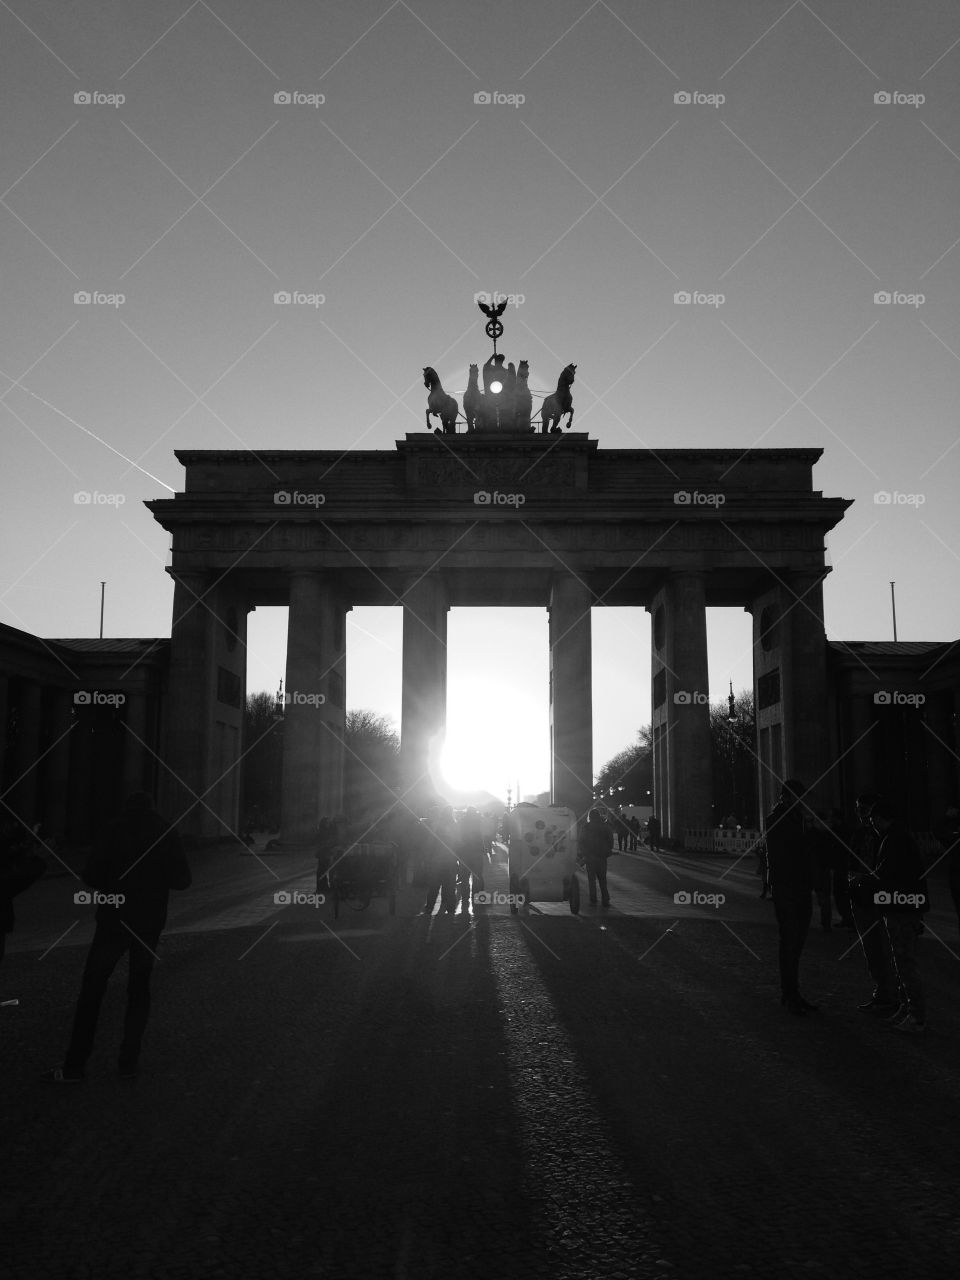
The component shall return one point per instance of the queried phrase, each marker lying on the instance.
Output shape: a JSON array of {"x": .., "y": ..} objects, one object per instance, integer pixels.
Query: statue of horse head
[{"x": 430, "y": 378}]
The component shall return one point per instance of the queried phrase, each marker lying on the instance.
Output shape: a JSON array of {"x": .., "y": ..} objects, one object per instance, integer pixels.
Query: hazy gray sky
[{"x": 797, "y": 197}]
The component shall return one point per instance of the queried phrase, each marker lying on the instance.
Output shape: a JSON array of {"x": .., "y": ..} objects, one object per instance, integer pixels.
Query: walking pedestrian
[
  {"x": 471, "y": 856},
  {"x": 596, "y": 845},
  {"x": 653, "y": 832},
  {"x": 137, "y": 861},
  {"x": 792, "y": 879},
  {"x": 441, "y": 833},
  {"x": 634, "y": 825}
]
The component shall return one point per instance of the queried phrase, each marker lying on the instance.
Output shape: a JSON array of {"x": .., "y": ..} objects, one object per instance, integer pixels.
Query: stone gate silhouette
[{"x": 491, "y": 519}]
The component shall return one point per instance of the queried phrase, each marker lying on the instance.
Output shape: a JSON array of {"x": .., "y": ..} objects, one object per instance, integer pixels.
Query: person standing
[
  {"x": 653, "y": 832},
  {"x": 949, "y": 836},
  {"x": 792, "y": 878},
  {"x": 441, "y": 862},
  {"x": 596, "y": 844},
  {"x": 634, "y": 825},
  {"x": 471, "y": 856},
  {"x": 862, "y": 886},
  {"x": 136, "y": 862},
  {"x": 20, "y": 865},
  {"x": 902, "y": 898}
]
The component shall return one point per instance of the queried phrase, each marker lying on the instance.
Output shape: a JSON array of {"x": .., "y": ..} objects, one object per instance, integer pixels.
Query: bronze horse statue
[
  {"x": 439, "y": 404},
  {"x": 561, "y": 402},
  {"x": 472, "y": 399}
]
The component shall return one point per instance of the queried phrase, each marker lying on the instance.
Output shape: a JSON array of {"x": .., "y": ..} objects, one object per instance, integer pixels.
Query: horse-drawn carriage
[
  {"x": 542, "y": 856},
  {"x": 355, "y": 874}
]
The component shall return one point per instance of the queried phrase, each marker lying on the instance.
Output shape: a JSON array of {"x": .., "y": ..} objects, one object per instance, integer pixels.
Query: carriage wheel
[{"x": 574, "y": 895}]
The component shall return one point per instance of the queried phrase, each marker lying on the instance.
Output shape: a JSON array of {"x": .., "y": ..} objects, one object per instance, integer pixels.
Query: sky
[{"x": 794, "y": 168}]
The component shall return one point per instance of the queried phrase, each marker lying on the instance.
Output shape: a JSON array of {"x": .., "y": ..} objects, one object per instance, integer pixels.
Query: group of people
[
  {"x": 455, "y": 854},
  {"x": 876, "y": 877}
]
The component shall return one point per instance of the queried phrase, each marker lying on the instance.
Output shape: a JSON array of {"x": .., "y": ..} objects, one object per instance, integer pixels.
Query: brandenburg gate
[{"x": 493, "y": 516}]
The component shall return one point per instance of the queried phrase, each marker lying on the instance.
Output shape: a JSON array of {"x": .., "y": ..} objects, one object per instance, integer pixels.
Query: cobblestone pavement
[{"x": 611, "y": 1095}]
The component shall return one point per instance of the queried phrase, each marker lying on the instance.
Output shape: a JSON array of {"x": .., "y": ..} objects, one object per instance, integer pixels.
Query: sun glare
[{"x": 496, "y": 745}]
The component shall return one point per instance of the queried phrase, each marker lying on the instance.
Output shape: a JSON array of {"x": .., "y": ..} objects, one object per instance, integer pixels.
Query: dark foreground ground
[{"x": 612, "y": 1095}]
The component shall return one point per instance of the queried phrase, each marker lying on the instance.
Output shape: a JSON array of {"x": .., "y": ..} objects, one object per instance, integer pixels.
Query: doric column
[
  {"x": 189, "y": 706},
  {"x": 805, "y": 753},
  {"x": 790, "y": 672},
  {"x": 4, "y": 727},
  {"x": 571, "y": 695},
  {"x": 314, "y": 708},
  {"x": 682, "y": 760},
  {"x": 56, "y": 786},
  {"x": 135, "y": 736},
  {"x": 423, "y": 713},
  {"x": 24, "y": 771}
]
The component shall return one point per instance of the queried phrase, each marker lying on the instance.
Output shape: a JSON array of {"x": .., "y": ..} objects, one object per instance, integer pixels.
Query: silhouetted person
[
  {"x": 441, "y": 862},
  {"x": 839, "y": 834},
  {"x": 792, "y": 879},
  {"x": 623, "y": 833},
  {"x": 20, "y": 865},
  {"x": 137, "y": 860},
  {"x": 653, "y": 832},
  {"x": 863, "y": 885},
  {"x": 949, "y": 836},
  {"x": 634, "y": 825},
  {"x": 471, "y": 855},
  {"x": 902, "y": 899},
  {"x": 596, "y": 842}
]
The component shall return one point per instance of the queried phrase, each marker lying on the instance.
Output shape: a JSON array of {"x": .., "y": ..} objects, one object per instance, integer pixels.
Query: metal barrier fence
[{"x": 720, "y": 840}]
